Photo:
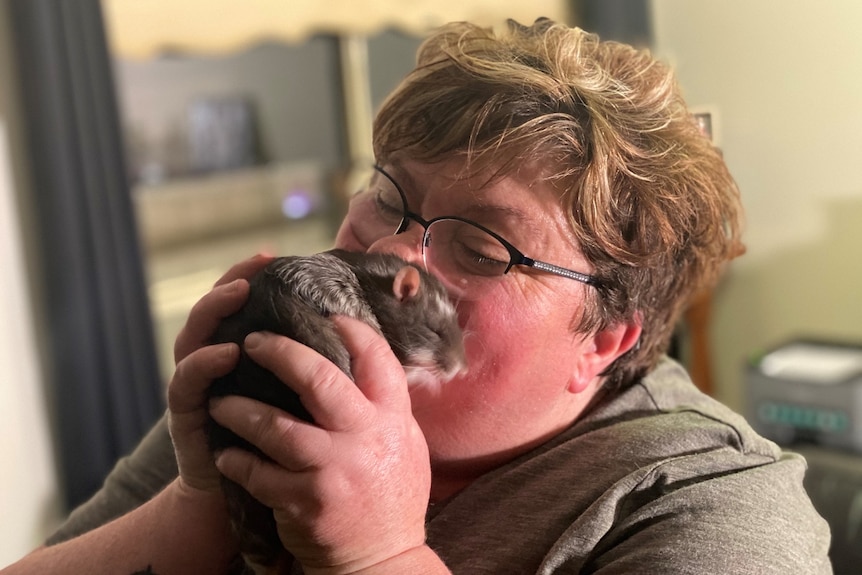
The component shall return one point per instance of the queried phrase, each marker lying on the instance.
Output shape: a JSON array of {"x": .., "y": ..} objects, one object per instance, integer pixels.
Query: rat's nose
[{"x": 406, "y": 245}]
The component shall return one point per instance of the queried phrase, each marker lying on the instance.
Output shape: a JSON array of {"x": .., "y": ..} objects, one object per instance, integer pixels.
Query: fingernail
[
  {"x": 253, "y": 340},
  {"x": 228, "y": 351}
]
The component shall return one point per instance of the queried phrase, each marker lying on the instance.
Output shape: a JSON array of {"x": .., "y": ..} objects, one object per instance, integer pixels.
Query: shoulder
[
  {"x": 666, "y": 404},
  {"x": 658, "y": 479},
  {"x": 704, "y": 492},
  {"x": 720, "y": 512}
]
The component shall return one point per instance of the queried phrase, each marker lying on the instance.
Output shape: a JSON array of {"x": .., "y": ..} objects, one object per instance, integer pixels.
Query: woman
[{"x": 560, "y": 189}]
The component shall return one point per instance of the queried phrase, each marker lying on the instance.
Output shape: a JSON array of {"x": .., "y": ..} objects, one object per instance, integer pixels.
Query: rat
[{"x": 295, "y": 296}]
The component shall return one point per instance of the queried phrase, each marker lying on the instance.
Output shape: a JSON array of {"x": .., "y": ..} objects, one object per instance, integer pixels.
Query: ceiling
[{"x": 139, "y": 29}]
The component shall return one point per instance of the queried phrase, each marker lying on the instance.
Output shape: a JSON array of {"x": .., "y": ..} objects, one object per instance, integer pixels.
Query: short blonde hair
[{"x": 651, "y": 201}]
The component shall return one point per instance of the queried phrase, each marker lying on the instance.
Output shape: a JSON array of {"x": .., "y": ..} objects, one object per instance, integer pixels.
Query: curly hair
[{"x": 652, "y": 203}]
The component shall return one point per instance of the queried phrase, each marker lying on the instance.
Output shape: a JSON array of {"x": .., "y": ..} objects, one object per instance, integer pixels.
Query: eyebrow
[
  {"x": 407, "y": 183},
  {"x": 498, "y": 212}
]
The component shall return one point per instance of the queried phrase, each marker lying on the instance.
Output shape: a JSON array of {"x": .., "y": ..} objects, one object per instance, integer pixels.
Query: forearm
[{"x": 179, "y": 531}]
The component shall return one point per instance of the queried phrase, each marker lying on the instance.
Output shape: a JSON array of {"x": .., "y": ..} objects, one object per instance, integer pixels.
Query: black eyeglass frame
[{"x": 516, "y": 257}]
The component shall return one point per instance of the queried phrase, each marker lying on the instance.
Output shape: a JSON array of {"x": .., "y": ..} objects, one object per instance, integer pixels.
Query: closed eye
[{"x": 387, "y": 208}]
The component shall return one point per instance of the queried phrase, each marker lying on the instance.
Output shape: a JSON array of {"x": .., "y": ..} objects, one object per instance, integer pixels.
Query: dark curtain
[{"x": 102, "y": 374}]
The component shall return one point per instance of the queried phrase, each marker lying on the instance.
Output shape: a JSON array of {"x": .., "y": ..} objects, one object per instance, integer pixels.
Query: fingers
[
  {"x": 327, "y": 393},
  {"x": 245, "y": 269},
  {"x": 290, "y": 495},
  {"x": 255, "y": 474},
  {"x": 333, "y": 400},
  {"x": 206, "y": 315},
  {"x": 187, "y": 415},
  {"x": 193, "y": 375},
  {"x": 355, "y": 484},
  {"x": 375, "y": 368},
  {"x": 227, "y": 297},
  {"x": 292, "y": 443}
]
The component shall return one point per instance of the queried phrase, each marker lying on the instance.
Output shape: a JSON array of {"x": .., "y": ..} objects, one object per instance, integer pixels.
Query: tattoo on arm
[{"x": 147, "y": 571}]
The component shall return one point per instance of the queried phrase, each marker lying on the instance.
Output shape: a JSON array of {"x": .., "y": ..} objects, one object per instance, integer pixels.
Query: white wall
[
  {"x": 786, "y": 79},
  {"x": 28, "y": 483}
]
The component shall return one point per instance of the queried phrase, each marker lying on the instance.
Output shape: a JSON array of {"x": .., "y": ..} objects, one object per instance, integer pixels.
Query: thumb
[{"x": 376, "y": 370}]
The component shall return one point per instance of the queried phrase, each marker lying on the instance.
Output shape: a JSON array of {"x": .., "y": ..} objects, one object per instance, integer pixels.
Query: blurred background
[{"x": 147, "y": 146}]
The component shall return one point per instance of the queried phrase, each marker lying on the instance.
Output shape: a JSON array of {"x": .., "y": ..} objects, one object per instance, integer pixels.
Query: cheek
[
  {"x": 514, "y": 340},
  {"x": 504, "y": 339},
  {"x": 518, "y": 370},
  {"x": 346, "y": 240}
]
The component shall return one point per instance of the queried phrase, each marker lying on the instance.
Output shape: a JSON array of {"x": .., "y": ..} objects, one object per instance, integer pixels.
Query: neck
[
  {"x": 444, "y": 488},
  {"x": 448, "y": 478}
]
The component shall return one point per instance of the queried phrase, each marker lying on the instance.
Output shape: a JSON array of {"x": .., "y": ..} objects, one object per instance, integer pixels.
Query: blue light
[{"x": 297, "y": 204}]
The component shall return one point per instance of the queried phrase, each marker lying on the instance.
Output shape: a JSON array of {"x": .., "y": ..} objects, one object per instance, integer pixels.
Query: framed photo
[
  {"x": 707, "y": 120},
  {"x": 222, "y": 134}
]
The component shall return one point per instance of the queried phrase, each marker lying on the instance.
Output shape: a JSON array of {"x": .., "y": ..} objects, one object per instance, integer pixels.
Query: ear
[
  {"x": 406, "y": 284},
  {"x": 601, "y": 349}
]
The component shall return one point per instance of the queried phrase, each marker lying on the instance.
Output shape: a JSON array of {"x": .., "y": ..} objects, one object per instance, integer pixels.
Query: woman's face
[{"x": 529, "y": 375}]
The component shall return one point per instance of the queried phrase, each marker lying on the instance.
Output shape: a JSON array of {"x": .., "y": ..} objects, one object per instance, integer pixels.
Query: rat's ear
[{"x": 406, "y": 284}]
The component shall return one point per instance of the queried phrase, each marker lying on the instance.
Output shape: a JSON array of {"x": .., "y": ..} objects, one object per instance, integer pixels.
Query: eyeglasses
[{"x": 466, "y": 254}]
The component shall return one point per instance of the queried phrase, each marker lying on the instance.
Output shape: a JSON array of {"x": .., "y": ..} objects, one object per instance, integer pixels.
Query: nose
[{"x": 406, "y": 245}]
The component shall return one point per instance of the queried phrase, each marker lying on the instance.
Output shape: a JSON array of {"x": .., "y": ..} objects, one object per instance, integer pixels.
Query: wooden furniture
[{"x": 697, "y": 318}]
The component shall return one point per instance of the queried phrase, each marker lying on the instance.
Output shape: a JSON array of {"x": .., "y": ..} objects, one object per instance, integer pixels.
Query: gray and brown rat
[{"x": 295, "y": 296}]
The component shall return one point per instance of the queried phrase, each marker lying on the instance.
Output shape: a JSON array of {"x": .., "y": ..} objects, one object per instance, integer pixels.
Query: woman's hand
[
  {"x": 228, "y": 295},
  {"x": 350, "y": 491},
  {"x": 197, "y": 365}
]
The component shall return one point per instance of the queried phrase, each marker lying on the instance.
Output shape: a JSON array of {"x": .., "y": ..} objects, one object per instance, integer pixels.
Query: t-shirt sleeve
[
  {"x": 134, "y": 480},
  {"x": 755, "y": 520}
]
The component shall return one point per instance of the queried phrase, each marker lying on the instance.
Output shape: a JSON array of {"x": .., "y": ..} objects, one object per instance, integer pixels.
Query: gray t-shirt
[{"x": 659, "y": 478}]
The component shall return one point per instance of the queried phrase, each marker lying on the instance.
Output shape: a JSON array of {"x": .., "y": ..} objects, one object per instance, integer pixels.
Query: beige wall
[{"x": 785, "y": 77}]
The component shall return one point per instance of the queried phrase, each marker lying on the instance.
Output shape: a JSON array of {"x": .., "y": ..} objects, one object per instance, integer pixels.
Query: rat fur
[{"x": 295, "y": 296}]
